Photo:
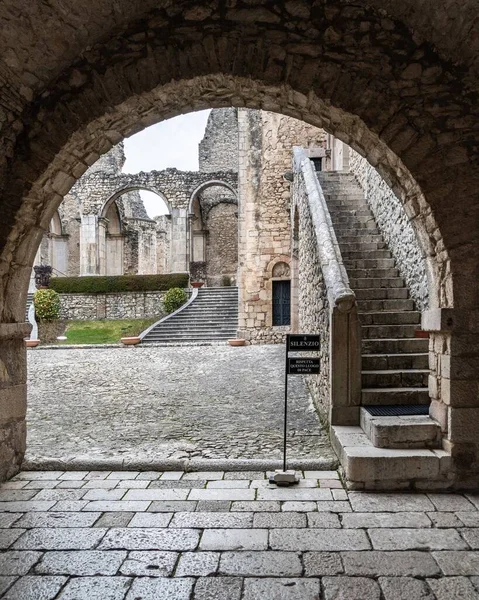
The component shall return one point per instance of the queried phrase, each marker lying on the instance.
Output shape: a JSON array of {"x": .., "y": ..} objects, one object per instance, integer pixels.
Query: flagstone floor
[{"x": 103, "y": 535}]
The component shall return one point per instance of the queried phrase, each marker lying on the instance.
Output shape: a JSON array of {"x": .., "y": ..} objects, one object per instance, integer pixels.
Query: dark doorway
[
  {"x": 282, "y": 302},
  {"x": 317, "y": 163}
]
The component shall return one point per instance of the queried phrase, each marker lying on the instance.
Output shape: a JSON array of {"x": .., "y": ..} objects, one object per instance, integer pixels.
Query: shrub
[
  {"x": 118, "y": 283},
  {"x": 174, "y": 298},
  {"x": 47, "y": 305},
  {"x": 226, "y": 281}
]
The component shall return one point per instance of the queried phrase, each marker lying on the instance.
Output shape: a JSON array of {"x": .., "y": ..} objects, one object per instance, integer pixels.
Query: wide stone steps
[
  {"x": 211, "y": 317},
  {"x": 390, "y": 318},
  {"x": 394, "y": 361},
  {"x": 387, "y": 362}
]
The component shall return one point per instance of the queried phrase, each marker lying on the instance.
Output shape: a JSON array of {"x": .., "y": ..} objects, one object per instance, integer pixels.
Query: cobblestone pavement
[
  {"x": 104, "y": 535},
  {"x": 167, "y": 403}
]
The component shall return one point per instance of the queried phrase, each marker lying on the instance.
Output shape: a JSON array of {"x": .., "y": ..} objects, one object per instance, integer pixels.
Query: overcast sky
[{"x": 171, "y": 143}]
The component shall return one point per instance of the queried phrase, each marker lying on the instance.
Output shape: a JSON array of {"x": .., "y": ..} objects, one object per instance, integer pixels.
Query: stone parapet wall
[
  {"x": 395, "y": 227},
  {"x": 125, "y": 305},
  {"x": 265, "y": 335},
  {"x": 313, "y": 305}
]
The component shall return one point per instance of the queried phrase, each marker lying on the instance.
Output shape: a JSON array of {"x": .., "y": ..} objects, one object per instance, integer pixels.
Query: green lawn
[{"x": 104, "y": 332}]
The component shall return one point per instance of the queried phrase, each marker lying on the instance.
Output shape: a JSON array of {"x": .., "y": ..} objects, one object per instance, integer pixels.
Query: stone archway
[{"x": 360, "y": 73}]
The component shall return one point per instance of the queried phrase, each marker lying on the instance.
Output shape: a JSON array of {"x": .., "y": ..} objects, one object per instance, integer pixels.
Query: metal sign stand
[{"x": 295, "y": 366}]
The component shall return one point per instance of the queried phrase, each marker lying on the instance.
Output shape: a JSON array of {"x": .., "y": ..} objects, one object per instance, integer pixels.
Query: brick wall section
[
  {"x": 266, "y": 143},
  {"x": 394, "y": 224},
  {"x": 127, "y": 305}
]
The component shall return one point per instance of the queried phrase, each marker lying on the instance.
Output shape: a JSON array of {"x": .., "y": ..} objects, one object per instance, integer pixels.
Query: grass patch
[{"x": 104, "y": 331}]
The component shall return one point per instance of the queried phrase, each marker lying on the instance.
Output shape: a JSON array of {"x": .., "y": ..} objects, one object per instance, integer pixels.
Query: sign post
[{"x": 295, "y": 366}]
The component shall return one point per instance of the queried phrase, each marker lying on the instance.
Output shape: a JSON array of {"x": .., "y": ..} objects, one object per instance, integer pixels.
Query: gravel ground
[{"x": 209, "y": 402}]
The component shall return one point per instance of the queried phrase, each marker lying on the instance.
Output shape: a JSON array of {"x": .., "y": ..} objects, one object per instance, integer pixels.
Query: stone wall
[
  {"x": 125, "y": 305},
  {"x": 313, "y": 305},
  {"x": 218, "y": 150},
  {"x": 222, "y": 243},
  {"x": 395, "y": 226},
  {"x": 266, "y": 143}
]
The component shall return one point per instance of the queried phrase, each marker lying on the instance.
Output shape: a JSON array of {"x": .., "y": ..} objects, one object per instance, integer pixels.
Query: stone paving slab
[{"x": 366, "y": 546}]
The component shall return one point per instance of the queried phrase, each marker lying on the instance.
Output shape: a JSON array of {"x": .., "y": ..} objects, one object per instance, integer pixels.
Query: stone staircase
[
  {"x": 211, "y": 317},
  {"x": 394, "y": 361},
  {"x": 29, "y": 302}
]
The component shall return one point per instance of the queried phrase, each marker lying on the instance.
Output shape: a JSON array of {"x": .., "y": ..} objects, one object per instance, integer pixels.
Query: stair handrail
[
  {"x": 191, "y": 299},
  {"x": 344, "y": 328},
  {"x": 335, "y": 277}
]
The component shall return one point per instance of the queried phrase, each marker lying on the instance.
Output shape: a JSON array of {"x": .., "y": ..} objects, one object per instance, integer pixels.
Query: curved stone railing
[
  {"x": 191, "y": 299},
  {"x": 344, "y": 326}
]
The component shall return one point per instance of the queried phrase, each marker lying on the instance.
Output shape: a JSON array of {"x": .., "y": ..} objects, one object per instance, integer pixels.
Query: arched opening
[
  {"x": 378, "y": 92},
  {"x": 213, "y": 215}
]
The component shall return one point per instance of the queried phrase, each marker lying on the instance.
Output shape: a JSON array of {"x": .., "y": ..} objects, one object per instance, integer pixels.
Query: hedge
[{"x": 118, "y": 283}]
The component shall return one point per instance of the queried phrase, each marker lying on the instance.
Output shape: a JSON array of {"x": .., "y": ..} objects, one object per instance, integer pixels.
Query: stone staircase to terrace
[
  {"x": 394, "y": 398},
  {"x": 211, "y": 317},
  {"x": 29, "y": 303}
]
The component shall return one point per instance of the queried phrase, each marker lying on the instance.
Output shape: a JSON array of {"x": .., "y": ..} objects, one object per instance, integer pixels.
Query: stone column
[
  {"x": 454, "y": 386},
  {"x": 179, "y": 240},
  {"x": 13, "y": 396},
  {"x": 89, "y": 264}
]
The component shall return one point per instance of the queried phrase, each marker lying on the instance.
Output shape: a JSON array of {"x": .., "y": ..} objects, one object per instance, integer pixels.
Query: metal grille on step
[{"x": 397, "y": 411}]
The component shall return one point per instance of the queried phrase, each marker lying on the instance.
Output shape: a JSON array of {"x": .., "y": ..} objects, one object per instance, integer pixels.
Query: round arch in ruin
[
  {"x": 134, "y": 188},
  {"x": 208, "y": 184},
  {"x": 361, "y": 76}
]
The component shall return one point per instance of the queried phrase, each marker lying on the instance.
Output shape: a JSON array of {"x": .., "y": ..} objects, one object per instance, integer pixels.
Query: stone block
[
  {"x": 453, "y": 587},
  {"x": 35, "y": 588},
  {"x": 372, "y": 502},
  {"x": 413, "y": 539},
  {"x": 82, "y": 563},
  {"x": 96, "y": 588},
  {"x": 157, "y": 494},
  {"x": 223, "y": 494},
  {"x": 148, "y": 519},
  {"x": 218, "y": 588},
  {"x": 418, "y": 564},
  {"x": 60, "y": 539},
  {"x": 146, "y": 538},
  {"x": 294, "y": 494},
  {"x": 208, "y": 520},
  {"x": 114, "y": 506},
  {"x": 198, "y": 564},
  {"x": 57, "y": 519},
  {"x": 256, "y": 506},
  {"x": 261, "y": 564},
  {"x": 324, "y": 540},
  {"x": 234, "y": 539},
  {"x": 405, "y": 588},
  {"x": 281, "y": 589},
  {"x": 17, "y": 563},
  {"x": 319, "y": 564},
  {"x": 350, "y": 588},
  {"x": 371, "y": 520},
  {"x": 149, "y": 564},
  {"x": 323, "y": 520}
]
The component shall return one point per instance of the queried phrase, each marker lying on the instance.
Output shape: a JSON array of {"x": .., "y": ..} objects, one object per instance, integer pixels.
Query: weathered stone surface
[
  {"x": 234, "y": 539},
  {"x": 60, "y": 539},
  {"x": 350, "y": 588},
  {"x": 364, "y": 502},
  {"x": 85, "y": 562},
  {"x": 149, "y": 564},
  {"x": 318, "y": 539},
  {"x": 151, "y": 589},
  {"x": 404, "y": 588},
  {"x": 453, "y": 587},
  {"x": 411, "y": 539},
  {"x": 319, "y": 564},
  {"x": 218, "y": 588},
  {"x": 261, "y": 564},
  {"x": 397, "y": 564},
  {"x": 391, "y": 520},
  {"x": 278, "y": 519},
  {"x": 17, "y": 563},
  {"x": 147, "y": 538},
  {"x": 281, "y": 589},
  {"x": 35, "y": 588},
  {"x": 199, "y": 564},
  {"x": 212, "y": 520},
  {"x": 96, "y": 588}
]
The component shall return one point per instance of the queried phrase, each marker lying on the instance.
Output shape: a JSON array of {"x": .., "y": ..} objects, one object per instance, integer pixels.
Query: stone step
[
  {"x": 368, "y": 264},
  {"x": 361, "y": 237},
  {"x": 377, "y": 362},
  {"x": 173, "y": 328},
  {"x": 395, "y": 378},
  {"x": 376, "y": 282},
  {"x": 363, "y": 248},
  {"x": 375, "y": 332},
  {"x": 377, "y": 273},
  {"x": 384, "y": 293},
  {"x": 366, "y": 465},
  {"x": 352, "y": 213},
  {"x": 412, "y": 317},
  {"x": 357, "y": 232},
  {"x": 393, "y": 396},
  {"x": 406, "y": 431},
  {"x": 373, "y": 254},
  {"x": 354, "y": 221},
  {"x": 395, "y": 346},
  {"x": 398, "y": 304}
]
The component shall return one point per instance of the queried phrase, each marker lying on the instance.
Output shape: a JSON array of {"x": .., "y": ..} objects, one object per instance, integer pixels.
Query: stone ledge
[
  {"x": 124, "y": 464},
  {"x": 450, "y": 319},
  {"x": 11, "y": 331},
  {"x": 367, "y": 467}
]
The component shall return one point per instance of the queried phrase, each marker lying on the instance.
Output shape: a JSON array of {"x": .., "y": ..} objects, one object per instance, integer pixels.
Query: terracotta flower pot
[
  {"x": 197, "y": 284},
  {"x": 31, "y": 343},
  {"x": 419, "y": 333},
  {"x": 130, "y": 341},
  {"x": 237, "y": 342}
]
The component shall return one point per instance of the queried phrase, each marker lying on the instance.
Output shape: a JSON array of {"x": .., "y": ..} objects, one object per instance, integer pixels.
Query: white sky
[{"x": 171, "y": 143}]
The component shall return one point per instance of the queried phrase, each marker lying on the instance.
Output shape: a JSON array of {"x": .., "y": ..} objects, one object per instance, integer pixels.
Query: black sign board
[
  {"x": 303, "y": 366},
  {"x": 303, "y": 343}
]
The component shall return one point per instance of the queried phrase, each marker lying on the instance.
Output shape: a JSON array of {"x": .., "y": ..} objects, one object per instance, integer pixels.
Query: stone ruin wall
[
  {"x": 124, "y": 305},
  {"x": 394, "y": 224},
  {"x": 265, "y": 154}
]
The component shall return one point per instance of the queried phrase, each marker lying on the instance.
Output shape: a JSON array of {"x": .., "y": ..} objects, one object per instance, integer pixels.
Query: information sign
[
  {"x": 303, "y": 343},
  {"x": 303, "y": 366}
]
